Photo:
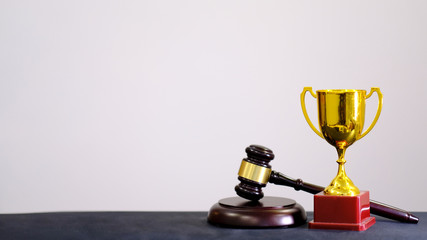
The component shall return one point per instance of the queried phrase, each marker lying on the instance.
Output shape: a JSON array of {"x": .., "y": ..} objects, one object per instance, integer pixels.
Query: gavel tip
[{"x": 412, "y": 219}]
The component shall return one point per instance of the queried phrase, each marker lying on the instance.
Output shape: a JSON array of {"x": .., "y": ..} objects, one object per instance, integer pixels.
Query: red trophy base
[{"x": 342, "y": 212}]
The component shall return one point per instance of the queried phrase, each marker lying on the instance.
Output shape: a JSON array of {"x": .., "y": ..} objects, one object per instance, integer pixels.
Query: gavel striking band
[{"x": 255, "y": 172}]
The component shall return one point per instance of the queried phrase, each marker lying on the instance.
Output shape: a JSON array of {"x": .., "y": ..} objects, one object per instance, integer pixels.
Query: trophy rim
[{"x": 340, "y": 90}]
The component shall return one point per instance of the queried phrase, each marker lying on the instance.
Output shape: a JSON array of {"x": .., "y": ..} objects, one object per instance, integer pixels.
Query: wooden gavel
[{"x": 255, "y": 172}]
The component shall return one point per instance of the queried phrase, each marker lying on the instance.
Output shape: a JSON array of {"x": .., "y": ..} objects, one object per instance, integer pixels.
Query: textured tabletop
[{"x": 178, "y": 225}]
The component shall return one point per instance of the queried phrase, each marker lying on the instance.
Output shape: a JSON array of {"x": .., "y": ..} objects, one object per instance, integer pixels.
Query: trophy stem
[
  {"x": 341, "y": 185},
  {"x": 341, "y": 161},
  {"x": 341, "y": 153}
]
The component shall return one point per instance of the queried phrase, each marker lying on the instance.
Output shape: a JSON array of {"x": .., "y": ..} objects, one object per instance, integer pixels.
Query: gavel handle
[{"x": 377, "y": 208}]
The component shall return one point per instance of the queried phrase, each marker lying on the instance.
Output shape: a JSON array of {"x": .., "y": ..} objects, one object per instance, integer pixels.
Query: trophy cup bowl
[{"x": 341, "y": 115}]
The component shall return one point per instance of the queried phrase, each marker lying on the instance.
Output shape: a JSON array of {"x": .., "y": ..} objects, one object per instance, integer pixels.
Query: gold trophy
[{"x": 341, "y": 120}]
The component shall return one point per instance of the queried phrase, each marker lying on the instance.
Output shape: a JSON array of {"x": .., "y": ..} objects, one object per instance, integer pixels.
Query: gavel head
[{"x": 254, "y": 172}]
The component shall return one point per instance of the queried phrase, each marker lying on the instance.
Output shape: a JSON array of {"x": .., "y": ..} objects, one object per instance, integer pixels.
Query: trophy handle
[
  {"x": 380, "y": 106},
  {"x": 304, "y": 110}
]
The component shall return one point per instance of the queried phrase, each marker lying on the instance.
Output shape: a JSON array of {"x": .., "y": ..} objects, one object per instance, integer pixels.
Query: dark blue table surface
[{"x": 178, "y": 225}]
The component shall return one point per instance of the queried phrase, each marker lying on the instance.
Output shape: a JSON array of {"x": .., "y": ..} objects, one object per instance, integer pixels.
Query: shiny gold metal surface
[
  {"x": 254, "y": 172},
  {"x": 341, "y": 115}
]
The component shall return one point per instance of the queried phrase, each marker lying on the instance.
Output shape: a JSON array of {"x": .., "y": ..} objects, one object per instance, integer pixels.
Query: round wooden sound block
[{"x": 237, "y": 212}]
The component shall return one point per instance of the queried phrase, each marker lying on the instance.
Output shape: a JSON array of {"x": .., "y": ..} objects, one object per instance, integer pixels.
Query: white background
[{"x": 149, "y": 105}]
